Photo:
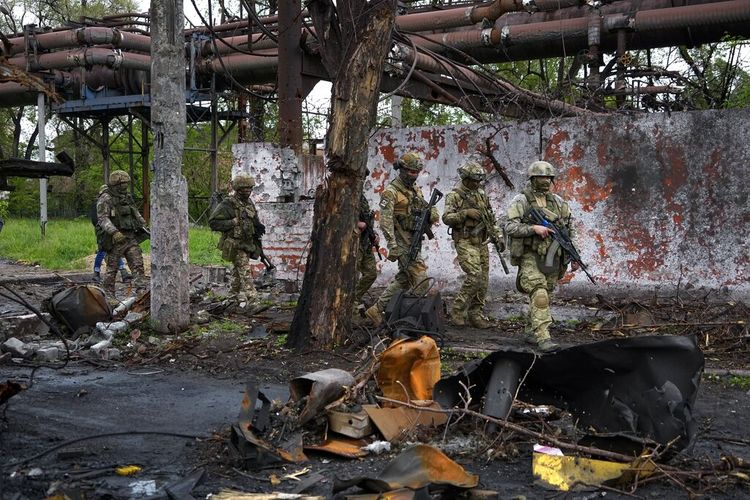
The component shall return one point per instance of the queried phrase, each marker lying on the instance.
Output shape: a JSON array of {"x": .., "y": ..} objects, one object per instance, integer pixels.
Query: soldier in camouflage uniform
[
  {"x": 237, "y": 220},
  {"x": 400, "y": 202},
  {"x": 120, "y": 230},
  {"x": 466, "y": 210},
  {"x": 365, "y": 258},
  {"x": 541, "y": 262}
]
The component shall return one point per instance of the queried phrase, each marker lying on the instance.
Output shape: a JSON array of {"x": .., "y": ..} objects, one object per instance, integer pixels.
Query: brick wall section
[{"x": 658, "y": 199}]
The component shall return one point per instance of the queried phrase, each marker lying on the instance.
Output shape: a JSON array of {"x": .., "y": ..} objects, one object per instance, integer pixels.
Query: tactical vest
[
  {"x": 240, "y": 237},
  {"x": 122, "y": 213},
  {"x": 407, "y": 206},
  {"x": 555, "y": 210},
  {"x": 476, "y": 200}
]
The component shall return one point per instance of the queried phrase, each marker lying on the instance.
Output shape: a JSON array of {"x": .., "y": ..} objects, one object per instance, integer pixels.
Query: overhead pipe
[
  {"x": 92, "y": 56},
  {"x": 503, "y": 36},
  {"x": 437, "y": 20},
  {"x": 95, "y": 35}
]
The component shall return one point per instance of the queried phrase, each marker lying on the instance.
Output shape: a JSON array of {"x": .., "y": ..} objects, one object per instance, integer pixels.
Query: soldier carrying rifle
[
  {"x": 403, "y": 213},
  {"x": 241, "y": 231}
]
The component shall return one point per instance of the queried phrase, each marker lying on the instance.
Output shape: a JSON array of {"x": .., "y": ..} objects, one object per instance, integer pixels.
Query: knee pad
[{"x": 540, "y": 298}]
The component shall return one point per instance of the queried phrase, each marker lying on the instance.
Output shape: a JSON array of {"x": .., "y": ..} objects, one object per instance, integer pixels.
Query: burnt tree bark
[
  {"x": 354, "y": 41},
  {"x": 170, "y": 300}
]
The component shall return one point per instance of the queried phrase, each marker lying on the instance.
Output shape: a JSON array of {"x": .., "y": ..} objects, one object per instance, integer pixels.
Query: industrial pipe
[
  {"x": 95, "y": 35},
  {"x": 437, "y": 20},
  {"x": 66, "y": 59}
]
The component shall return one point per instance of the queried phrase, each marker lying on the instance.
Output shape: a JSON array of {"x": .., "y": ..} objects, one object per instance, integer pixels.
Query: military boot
[
  {"x": 125, "y": 275},
  {"x": 97, "y": 278},
  {"x": 458, "y": 317},
  {"x": 374, "y": 314},
  {"x": 479, "y": 320},
  {"x": 547, "y": 345}
]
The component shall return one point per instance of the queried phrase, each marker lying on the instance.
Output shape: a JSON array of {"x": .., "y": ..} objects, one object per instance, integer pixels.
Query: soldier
[
  {"x": 365, "y": 258},
  {"x": 530, "y": 244},
  {"x": 400, "y": 203},
  {"x": 237, "y": 220},
  {"x": 121, "y": 228},
  {"x": 467, "y": 212},
  {"x": 100, "y": 252}
]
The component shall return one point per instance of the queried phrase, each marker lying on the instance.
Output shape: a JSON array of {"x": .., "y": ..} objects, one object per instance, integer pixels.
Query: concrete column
[{"x": 170, "y": 300}]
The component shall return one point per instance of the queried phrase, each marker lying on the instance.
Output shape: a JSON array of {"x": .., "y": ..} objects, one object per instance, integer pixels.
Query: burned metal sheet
[
  {"x": 320, "y": 388},
  {"x": 409, "y": 369},
  {"x": 415, "y": 468},
  {"x": 245, "y": 439},
  {"x": 80, "y": 306},
  {"x": 638, "y": 388}
]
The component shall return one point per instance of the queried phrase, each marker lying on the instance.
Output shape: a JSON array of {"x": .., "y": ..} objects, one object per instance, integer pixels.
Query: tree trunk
[
  {"x": 170, "y": 301},
  {"x": 354, "y": 49}
]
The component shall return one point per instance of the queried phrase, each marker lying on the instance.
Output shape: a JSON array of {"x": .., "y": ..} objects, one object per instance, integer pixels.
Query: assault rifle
[
  {"x": 488, "y": 222},
  {"x": 260, "y": 230},
  {"x": 422, "y": 227},
  {"x": 369, "y": 220},
  {"x": 142, "y": 234},
  {"x": 561, "y": 235}
]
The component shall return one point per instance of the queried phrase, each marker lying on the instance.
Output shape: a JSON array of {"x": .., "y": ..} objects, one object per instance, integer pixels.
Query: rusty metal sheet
[
  {"x": 415, "y": 468},
  {"x": 395, "y": 423},
  {"x": 80, "y": 306},
  {"x": 409, "y": 369},
  {"x": 321, "y": 388},
  {"x": 341, "y": 446}
]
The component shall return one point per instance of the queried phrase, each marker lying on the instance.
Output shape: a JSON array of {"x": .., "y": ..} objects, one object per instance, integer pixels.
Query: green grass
[{"x": 69, "y": 241}]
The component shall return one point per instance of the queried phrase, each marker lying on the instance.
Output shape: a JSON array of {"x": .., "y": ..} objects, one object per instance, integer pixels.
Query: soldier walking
[
  {"x": 120, "y": 228},
  {"x": 365, "y": 258},
  {"x": 541, "y": 263},
  {"x": 468, "y": 214},
  {"x": 400, "y": 205},
  {"x": 241, "y": 230}
]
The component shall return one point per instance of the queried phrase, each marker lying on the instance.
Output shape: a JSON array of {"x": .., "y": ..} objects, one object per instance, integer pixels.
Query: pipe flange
[
  {"x": 530, "y": 6},
  {"x": 486, "y": 37},
  {"x": 468, "y": 13},
  {"x": 114, "y": 60}
]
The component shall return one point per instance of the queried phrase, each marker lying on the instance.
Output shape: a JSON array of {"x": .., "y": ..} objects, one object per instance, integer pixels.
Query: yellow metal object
[
  {"x": 566, "y": 473},
  {"x": 409, "y": 369},
  {"x": 128, "y": 470}
]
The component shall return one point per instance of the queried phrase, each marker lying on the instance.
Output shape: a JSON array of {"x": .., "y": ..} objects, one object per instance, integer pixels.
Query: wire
[{"x": 97, "y": 436}]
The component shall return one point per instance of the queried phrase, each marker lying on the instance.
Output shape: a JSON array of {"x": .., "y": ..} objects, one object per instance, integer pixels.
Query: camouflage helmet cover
[
  {"x": 410, "y": 161},
  {"x": 243, "y": 182},
  {"x": 118, "y": 177},
  {"x": 472, "y": 171},
  {"x": 541, "y": 169}
]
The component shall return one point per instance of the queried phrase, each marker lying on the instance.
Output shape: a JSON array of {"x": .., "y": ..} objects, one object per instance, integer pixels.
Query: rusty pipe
[
  {"x": 466, "y": 16},
  {"x": 92, "y": 56},
  {"x": 95, "y": 35},
  {"x": 248, "y": 68}
]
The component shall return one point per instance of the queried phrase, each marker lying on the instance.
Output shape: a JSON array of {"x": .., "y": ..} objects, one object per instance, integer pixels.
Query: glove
[
  {"x": 473, "y": 213},
  {"x": 118, "y": 238},
  {"x": 394, "y": 254}
]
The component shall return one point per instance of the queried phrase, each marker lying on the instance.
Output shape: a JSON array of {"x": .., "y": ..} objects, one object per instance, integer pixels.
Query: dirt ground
[{"x": 171, "y": 404}]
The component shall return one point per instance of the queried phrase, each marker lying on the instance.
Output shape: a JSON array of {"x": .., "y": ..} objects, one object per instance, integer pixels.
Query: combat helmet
[
  {"x": 243, "y": 182},
  {"x": 541, "y": 169},
  {"x": 410, "y": 161},
  {"x": 472, "y": 171},
  {"x": 118, "y": 177}
]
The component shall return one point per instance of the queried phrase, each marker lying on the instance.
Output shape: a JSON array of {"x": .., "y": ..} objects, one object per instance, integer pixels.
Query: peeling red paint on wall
[
  {"x": 576, "y": 184},
  {"x": 435, "y": 143},
  {"x": 462, "y": 144},
  {"x": 552, "y": 153}
]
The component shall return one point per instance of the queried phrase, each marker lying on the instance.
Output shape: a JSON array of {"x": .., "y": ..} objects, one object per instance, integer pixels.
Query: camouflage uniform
[
  {"x": 531, "y": 253},
  {"x": 237, "y": 220},
  {"x": 398, "y": 205},
  {"x": 365, "y": 258},
  {"x": 118, "y": 229},
  {"x": 470, "y": 238}
]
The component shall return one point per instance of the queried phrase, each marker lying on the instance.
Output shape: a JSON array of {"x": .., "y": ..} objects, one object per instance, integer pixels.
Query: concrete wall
[{"x": 658, "y": 199}]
